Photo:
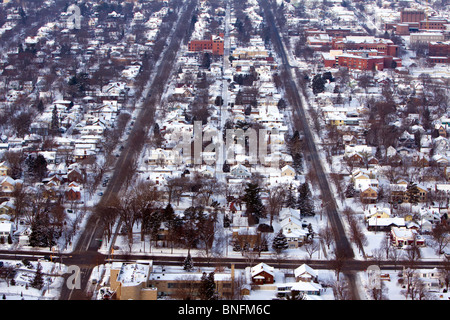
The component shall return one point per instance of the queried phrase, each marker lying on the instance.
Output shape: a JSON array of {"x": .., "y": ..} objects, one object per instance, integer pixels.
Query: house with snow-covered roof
[
  {"x": 6, "y": 230},
  {"x": 384, "y": 224},
  {"x": 305, "y": 273},
  {"x": 401, "y": 237},
  {"x": 130, "y": 281},
  {"x": 262, "y": 273}
]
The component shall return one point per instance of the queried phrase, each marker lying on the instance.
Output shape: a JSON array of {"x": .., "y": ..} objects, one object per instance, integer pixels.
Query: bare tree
[
  {"x": 326, "y": 234},
  {"x": 419, "y": 290},
  {"x": 311, "y": 247},
  {"x": 441, "y": 237},
  {"x": 341, "y": 289},
  {"x": 275, "y": 201},
  {"x": 378, "y": 293}
]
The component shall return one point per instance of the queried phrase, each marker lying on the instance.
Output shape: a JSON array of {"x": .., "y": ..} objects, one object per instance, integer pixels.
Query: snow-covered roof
[
  {"x": 260, "y": 268},
  {"x": 305, "y": 269}
]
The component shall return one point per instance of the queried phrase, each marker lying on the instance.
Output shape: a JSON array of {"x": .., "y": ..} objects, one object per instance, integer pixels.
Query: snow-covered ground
[{"x": 22, "y": 290}]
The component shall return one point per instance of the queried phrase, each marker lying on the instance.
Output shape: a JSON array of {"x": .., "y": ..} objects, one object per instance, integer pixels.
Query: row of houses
[
  {"x": 306, "y": 281},
  {"x": 144, "y": 281}
]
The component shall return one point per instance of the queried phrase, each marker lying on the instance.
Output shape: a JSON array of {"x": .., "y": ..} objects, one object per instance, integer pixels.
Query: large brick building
[
  {"x": 439, "y": 52},
  {"x": 433, "y": 24},
  {"x": 412, "y": 15},
  {"x": 382, "y": 46},
  {"x": 439, "y": 49},
  {"x": 215, "y": 45},
  {"x": 360, "y": 60}
]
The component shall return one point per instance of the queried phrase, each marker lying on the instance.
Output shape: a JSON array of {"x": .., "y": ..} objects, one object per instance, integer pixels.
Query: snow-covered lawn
[{"x": 22, "y": 289}]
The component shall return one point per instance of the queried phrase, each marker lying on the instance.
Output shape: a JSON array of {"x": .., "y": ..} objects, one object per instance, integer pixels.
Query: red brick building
[
  {"x": 439, "y": 52},
  {"x": 215, "y": 45},
  {"x": 433, "y": 24},
  {"x": 439, "y": 49},
  {"x": 383, "y": 46},
  {"x": 412, "y": 15},
  {"x": 361, "y": 60}
]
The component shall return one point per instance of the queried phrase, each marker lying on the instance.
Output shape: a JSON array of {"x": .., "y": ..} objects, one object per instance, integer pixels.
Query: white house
[
  {"x": 305, "y": 273},
  {"x": 240, "y": 171},
  {"x": 6, "y": 230}
]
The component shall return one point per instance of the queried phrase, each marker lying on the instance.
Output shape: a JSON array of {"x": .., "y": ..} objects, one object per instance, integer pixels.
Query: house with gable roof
[
  {"x": 262, "y": 274},
  {"x": 305, "y": 273},
  {"x": 3, "y": 169}
]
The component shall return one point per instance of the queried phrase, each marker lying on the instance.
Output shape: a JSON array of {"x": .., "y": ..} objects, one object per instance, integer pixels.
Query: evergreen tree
[
  {"x": 226, "y": 167},
  {"x": 350, "y": 191},
  {"x": 207, "y": 290},
  {"x": 38, "y": 281},
  {"x": 188, "y": 264},
  {"x": 37, "y": 167},
  {"x": 297, "y": 163},
  {"x": 412, "y": 193},
  {"x": 40, "y": 106},
  {"x": 168, "y": 213},
  {"x": 290, "y": 200},
  {"x": 318, "y": 84},
  {"x": 55, "y": 121},
  {"x": 226, "y": 221},
  {"x": 42, "y": 233},
  {"x": 304, "y": 201},
  {"x": 253, "y": 201},
  {"x": 280, "y": 242}
]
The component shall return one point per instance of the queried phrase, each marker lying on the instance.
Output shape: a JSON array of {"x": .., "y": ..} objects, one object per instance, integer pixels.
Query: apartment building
[{"x": 215, "y": 45}]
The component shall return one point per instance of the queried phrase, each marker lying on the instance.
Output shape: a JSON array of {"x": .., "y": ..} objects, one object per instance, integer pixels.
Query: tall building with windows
[{"x": 215, "y": 45}]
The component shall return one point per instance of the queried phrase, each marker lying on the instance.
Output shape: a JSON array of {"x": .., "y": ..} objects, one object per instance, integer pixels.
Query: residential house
[
  {"x": 75, "y": 175},
  {"x": 384, "y": 224},
  {"x": 399, "y": 192},
  {"x": 429, "y": 217},
  {"x": 162, "y": 157},
  {"x": 3, "y": 169},
  {"x": 240, "y": 171},
  {"x": 8, "y": 185},
  {"x": 306, "y": 284},
  {"x": 377, "y": 212},
  {"x": 288, "y": 213},
  {"x": 6, "y": 230},
  {"x": 7, "y": 208},
  {"x": 294, "y": 232},
  {"x": 288, "y": 171},
  {"x": 305, "y": 273},
  {"x": 24, "y": 236},
  {"x": 245, "y": 237},
  {"x": 73, "y": 192},
  {"x": 262, "y": 274},
  {"x": 401, "y": 237},
  {"x": 369, "y": 195}
]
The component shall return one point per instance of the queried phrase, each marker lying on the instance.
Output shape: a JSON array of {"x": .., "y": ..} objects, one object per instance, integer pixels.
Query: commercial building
[
  {"x": 141, "y": 280},
  {"x": 131, "y": 281},
  {"x": 382, "y": 46},
  {"x": 426, "y": 37},
  {"x": 412, "y": 15}
]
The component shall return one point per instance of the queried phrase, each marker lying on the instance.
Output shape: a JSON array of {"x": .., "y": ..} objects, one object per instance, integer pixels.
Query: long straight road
[
  {"x": 86, "y": 254},
  {"x": 343, "y": 248}
]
